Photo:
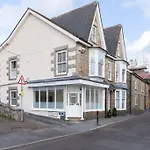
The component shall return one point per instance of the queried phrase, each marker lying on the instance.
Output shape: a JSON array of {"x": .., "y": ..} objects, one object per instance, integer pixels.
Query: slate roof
[
  {"x": 111, "y": 37},
  {"x": 78, "y": 21}
]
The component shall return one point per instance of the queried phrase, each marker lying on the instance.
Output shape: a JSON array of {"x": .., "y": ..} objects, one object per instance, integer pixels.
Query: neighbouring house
[
  {"x": 138, "y": 93},
  {"x": 146, "y": 77},
  {"x": 116, "y": 68},
  {"x": 63, "y": 61}
]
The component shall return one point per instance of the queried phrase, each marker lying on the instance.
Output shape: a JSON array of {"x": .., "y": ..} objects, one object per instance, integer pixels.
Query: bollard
[{"x": 97, "y": 117}]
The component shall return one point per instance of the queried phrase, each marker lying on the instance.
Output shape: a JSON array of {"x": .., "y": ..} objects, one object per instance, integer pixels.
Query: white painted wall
[{"x": 34, "y": 42}]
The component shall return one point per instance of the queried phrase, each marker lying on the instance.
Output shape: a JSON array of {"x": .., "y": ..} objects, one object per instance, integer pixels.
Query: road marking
[{"x": 72, "y": 134}]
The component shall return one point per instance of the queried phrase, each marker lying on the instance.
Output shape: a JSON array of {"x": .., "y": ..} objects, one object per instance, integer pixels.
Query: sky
[{"x": 134, "y": 15}]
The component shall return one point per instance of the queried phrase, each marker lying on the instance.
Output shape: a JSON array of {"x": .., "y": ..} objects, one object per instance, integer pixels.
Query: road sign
[{"x": 22, "y": 81}]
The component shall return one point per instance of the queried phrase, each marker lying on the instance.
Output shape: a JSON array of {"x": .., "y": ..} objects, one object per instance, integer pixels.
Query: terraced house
[
  {"x": 69, "y": 64},
  {"x": 116, "y": 66}
]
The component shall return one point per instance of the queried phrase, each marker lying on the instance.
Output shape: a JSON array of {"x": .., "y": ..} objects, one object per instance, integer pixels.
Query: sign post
[{"x": 22, "y": 82}]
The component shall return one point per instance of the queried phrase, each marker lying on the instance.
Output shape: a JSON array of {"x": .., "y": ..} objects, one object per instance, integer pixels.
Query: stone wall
[
  {"x": 10, "y": 112},
  {"x": 93, "y": 115}
]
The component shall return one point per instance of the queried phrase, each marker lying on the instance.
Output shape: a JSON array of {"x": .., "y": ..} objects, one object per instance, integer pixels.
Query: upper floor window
[
  {"x": 13, "y": 69},
  {"x": 109, "y": 71},
  {"x": 117, "y": 72},
  {"x": 135, "y": 83},
  {"x": 93, "y": 34},
  {"x": 123, "y": 75},
  {"x": 96, "y": 63},
  {"x": 100, "y": 66},
  {"x": 61, "y": 62}
]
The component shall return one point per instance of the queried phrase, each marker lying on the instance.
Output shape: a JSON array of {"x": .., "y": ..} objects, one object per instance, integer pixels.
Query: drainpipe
[
  {"x": 105, "y": 102},
  {"x": 145, "y": 98},
  {"x": 130, "y": 97}
]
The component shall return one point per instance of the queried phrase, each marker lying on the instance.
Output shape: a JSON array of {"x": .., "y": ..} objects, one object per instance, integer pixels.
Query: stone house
[
  {"x": 115, "y": 69},
  {"x": 138, "y": 93}
]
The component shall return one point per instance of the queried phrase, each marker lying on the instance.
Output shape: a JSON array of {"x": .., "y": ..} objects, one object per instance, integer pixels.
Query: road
[{"x": 133, "y": 134}]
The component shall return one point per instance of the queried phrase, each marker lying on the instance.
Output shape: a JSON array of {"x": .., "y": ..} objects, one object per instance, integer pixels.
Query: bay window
[
  {"x": 120, "y": 72},
  {"x": 94, "y": 98},
  {"x": 48, "y": 98},
  {"x": 96, "y": 61},
  {"x": 120, "y": 99}
]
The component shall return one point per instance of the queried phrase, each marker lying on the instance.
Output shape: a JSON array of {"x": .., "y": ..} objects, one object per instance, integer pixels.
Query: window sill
[
  {"x": 13, "y": 78},
  {"x": 121, "y": 109},
  {"x": 89, "y": 110},
  {"x": 47, "y": 109}
]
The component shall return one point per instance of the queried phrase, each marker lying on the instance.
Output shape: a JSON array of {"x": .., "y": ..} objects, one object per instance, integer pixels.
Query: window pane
[
  {"x": 51, "y": 99},
  {"x": 73, "y": 98},
  {"x": 97, "y": 99},
  {"x": 36, "y": 99},
  {"x": 100, "y": 69},
  {"x": 108, "y": 100},
  {"x": 123, "y": 99},
  {"x": 101, "y": 100},
  {"x": 92, "y": 63},
  {"x": 92, "y": 98},
  {"x": 13, "y": 64},
  {"x": 87, "y": 98},
  {"x": 13, "y": 96},
  {"x": 117, "y": 100},
  {"x": 43, "y": 99},
  {"x": 59, "y": 98}
]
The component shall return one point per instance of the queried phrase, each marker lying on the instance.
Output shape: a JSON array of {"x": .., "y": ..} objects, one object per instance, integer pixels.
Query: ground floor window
[
  {"x": 48, "y": 98},
  {"x": 120, "y": 99},
  {"x": 13, "y": 97},
  {"x": 94, "y": 98}
]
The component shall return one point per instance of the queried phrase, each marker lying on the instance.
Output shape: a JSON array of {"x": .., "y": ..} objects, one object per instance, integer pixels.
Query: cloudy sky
[{"x": 134, "y": 15}]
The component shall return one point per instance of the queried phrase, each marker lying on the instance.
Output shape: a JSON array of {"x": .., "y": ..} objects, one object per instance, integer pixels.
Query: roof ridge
[
  {"x": 95, "y": 2},
  {"x": 113, "y": 26}
]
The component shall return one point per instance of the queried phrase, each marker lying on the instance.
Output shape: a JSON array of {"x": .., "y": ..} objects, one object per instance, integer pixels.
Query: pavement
[
  {"x": 9, "y": 125},
  {"x": 53, "y": 131},
  {"x": 132, "y": 134}
]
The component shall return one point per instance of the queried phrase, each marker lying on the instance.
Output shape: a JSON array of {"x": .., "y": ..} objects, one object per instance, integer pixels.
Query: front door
[{"x": 74, "y": 105}]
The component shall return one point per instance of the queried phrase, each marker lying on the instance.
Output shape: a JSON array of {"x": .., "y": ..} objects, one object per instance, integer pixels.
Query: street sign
[{"x": 22, "y": 81}]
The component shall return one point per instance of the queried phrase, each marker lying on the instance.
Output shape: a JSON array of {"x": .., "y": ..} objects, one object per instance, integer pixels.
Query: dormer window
[{"x": 93, "y": 34}]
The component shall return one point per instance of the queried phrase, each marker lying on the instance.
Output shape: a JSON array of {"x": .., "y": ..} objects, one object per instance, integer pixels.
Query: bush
[
  {"x": 114, "y": 112},
  {"x": 109, "y": 114}
]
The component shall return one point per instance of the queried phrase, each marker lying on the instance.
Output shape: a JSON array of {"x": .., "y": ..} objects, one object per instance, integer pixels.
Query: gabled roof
[
  {"x": 111, "y": 37},
  {"x": 78, "y": 21},
  {"x": 145, "y": 75}
]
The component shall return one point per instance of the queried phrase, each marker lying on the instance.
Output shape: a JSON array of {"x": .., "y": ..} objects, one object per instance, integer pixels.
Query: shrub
[
  {"x": 109, "y": 114},
  {"x": 114, "y": 112}
]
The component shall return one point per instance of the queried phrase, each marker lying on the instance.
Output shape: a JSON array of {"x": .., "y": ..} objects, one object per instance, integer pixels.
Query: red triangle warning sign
[{"x": 22, "y": 81}]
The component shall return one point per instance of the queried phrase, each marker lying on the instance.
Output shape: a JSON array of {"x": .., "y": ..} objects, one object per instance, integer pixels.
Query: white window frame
[
  {"x": 135, "y": 83},
  {"x": 109, "y": 70},
  {"x": 101, "y": 97},
  {"x": 117, "y": 72},
  {"x": 135, "y": 100},
  {"x": 10, "y": 91},
  {"x": 45, "y": 109},
  {"x": 77, "y": 98},
  {"x": 120, "y": 99},
  {"x": 94, "y": 54},
  {"x": 93, "y": 33},
  {"x": 12, "y": 69},
  {"x": 57, "y": 63}
]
